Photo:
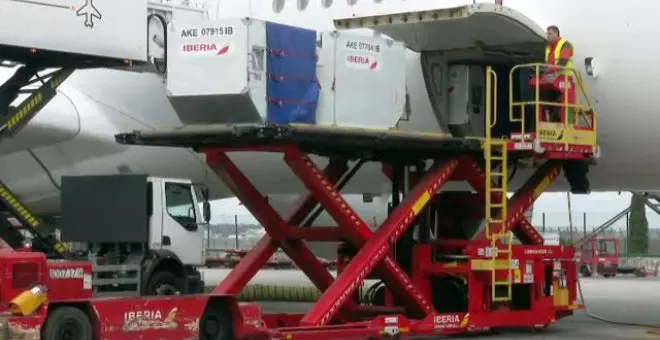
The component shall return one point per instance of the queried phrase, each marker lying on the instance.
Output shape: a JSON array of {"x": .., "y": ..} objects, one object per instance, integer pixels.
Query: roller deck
[{"x": 375, "y": 144}]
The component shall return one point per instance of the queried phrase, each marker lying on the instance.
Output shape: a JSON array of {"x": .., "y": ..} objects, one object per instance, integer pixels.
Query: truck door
[{"x": 182, "y": 223}]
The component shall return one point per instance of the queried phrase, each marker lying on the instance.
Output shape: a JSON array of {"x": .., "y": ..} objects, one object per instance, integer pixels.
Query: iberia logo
[
  {"x": 362, "y": 62},
  {"x": 204, "y": 48},
  {"x": 223, "y": 50}
]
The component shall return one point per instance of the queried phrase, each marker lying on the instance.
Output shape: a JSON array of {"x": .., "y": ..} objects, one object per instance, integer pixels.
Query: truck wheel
[
  {"x": 67, "y": 323},
  {"x": 164, "y": 282}
]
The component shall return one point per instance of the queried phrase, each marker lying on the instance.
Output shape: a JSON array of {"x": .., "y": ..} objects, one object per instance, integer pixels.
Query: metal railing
[{"x": 584, "y": 116}]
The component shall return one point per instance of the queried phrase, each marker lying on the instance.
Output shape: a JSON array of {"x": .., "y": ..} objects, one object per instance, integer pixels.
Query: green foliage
[{"x": 638, "y": 232}]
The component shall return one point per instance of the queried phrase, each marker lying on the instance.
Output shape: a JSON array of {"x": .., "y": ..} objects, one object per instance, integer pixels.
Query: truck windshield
[
  {"x": 606, "y": 247},
  {"x": 179, "y": 201}
]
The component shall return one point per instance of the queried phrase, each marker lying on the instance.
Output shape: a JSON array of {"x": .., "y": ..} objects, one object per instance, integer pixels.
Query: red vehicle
[{"x": 601, "y": 256}]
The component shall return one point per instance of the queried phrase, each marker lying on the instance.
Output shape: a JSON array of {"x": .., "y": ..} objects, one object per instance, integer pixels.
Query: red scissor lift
[
  {"x": 448, "y": 280},
  {"x": 541, "y": 279}
]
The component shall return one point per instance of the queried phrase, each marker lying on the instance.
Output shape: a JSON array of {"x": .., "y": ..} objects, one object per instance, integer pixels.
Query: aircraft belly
[{"x": 26, "y": 177}]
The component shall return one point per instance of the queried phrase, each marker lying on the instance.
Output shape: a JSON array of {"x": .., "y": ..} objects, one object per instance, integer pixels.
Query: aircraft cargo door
[{"x": 456, "y": 44}]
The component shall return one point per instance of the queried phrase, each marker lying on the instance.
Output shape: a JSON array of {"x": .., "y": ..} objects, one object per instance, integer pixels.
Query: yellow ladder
[
  {"x": 508, "y": 281},
  {"x": 495, "y": 156}
]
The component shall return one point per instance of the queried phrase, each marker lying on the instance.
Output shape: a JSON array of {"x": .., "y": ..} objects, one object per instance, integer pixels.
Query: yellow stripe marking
[{"x": 421, "y": 202}]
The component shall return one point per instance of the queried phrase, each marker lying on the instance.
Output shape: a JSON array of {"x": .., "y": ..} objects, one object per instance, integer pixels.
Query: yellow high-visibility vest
[{"x": 557, "y": 54}]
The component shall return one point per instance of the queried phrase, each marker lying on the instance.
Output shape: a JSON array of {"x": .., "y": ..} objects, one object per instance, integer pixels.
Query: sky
[{"x": 598, "y": 208}]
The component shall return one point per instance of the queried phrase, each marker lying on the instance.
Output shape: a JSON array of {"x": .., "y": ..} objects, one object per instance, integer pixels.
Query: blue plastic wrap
[{"x": 292, "y": 89}]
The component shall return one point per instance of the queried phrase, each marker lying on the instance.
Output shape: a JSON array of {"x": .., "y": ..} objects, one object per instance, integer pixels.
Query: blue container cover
[{"x": 292, "y": 88}]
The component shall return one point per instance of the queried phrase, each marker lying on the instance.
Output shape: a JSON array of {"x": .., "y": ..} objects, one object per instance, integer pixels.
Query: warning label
[{"x": 361, "y": 62}]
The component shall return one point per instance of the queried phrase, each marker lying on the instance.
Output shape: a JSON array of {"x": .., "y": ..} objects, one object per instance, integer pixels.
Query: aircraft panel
[{"x": 105, "y": 28}]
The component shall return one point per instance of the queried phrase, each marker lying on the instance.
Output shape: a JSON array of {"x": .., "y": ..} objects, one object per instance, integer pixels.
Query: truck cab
[
  {"x": 176, "y": 219},
  {"x": 144, "y": 235}
]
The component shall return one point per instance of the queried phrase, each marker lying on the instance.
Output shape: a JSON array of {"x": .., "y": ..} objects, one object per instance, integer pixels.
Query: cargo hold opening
[{"x": 455, "y": 46}]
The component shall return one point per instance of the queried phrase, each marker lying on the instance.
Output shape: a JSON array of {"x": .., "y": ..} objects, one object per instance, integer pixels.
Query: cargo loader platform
[
  {"x": 350, "y": 143},
  {"x": 445, "y": 281}
]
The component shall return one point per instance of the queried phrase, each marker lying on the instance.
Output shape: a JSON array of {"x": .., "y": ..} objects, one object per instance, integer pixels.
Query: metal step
[{"x": 16, "y": 118}]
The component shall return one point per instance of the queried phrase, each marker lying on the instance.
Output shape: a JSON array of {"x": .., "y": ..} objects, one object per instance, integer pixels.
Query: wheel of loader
[
  {"x": 164, "y": 282},
  {"x": 640, "y": 272},
  {"x": 449, "y": 294},
  {"x": 216, "y": 322},
  {"x": 67, "y": 323}
]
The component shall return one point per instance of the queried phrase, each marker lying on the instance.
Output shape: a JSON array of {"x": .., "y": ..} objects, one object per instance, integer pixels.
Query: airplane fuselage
[{"x": 74, "y": 134}]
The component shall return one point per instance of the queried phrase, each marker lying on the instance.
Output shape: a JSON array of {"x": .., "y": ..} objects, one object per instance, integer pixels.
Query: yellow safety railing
[
  {"x": 582, "y": 115},
  {"x": 496, "y": 205}
]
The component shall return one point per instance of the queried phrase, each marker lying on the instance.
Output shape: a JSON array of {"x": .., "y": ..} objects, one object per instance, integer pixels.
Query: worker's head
[{"x": 553, "y": 34}]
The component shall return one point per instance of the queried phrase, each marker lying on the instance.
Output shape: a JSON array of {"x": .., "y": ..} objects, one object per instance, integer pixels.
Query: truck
[
  {"x": 142, "y": 235},
  {"x": 601, "y": 256}
]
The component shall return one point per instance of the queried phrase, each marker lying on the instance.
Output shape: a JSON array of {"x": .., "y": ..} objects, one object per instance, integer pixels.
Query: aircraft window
[
  {"x": 351, "y": 2},
  {"x": 302, "y": 4},
  {"x": 326, "y": 3},
  {"x": 278, "y": 5},
  {"x": 179, "y": 203}
]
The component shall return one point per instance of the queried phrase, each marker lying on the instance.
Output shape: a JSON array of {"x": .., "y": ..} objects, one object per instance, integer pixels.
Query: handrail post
[
  {"x": 537, "y": 100},
  {"x": 489, "y": 108}
]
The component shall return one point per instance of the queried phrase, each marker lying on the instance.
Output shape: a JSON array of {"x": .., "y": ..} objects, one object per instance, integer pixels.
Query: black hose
[{"x": 602, "y": 319}]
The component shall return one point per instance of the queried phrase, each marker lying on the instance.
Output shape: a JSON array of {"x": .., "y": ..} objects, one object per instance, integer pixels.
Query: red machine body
[
  {"x": 65, "y": 280},
  {"x": 543, "y": 277}
]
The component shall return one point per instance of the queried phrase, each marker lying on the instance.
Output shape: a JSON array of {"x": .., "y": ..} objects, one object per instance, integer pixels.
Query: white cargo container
[
  {"x": 466, "y": 98},
  {"x": 216, "y": 71},
  {"x": 232, "y": 71},
  {"x": 105, "y": 28},
  {"x": 363, "y": 80}
]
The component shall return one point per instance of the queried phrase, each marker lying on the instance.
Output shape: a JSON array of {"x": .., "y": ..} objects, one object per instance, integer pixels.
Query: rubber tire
[
  {"x": 640, "y": 273},
  {"x": 222, "y": 320},
  {"x": 67, "y": 315},
  {"x": 163, "y": 276}
]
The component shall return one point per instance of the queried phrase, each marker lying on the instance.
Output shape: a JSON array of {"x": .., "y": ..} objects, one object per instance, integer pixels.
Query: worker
[{"x": 558, "y": 52}]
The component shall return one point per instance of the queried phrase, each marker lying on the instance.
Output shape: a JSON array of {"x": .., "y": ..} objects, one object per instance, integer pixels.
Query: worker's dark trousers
[{"x": 555, "y": 111}]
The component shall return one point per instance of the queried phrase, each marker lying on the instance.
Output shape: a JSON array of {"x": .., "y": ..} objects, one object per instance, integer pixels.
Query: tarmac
[{"x": 624, "y": 299}]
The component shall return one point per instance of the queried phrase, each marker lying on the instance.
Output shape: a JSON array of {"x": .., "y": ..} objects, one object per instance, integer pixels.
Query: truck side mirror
[
  {"x": 206, "y": 211},
  {"x": 205, "y": 193}
]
